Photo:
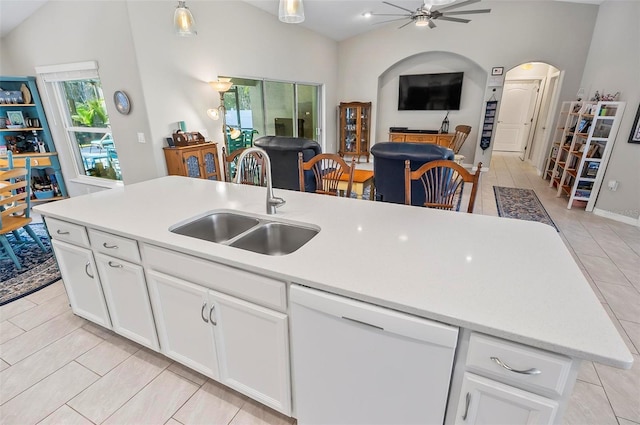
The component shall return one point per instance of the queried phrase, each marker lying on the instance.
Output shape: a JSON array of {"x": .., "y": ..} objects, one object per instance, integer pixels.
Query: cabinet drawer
[
  {"x": 421, "y": 138},
  {"x": 536, "y": 370},
  {"x": 248, "y": 286},
  {"x": 68, "y": 232},
  {"x": 116, "y": 246}
]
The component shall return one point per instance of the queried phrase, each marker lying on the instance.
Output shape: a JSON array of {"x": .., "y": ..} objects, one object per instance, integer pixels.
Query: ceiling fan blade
[
  {"x": 400, "y": 7},
  {"x": 391, "y": 14},
  {"x": 432, "y": 24},
  {"x": 400, "y": 27},
  {"x": 456, "y": 5},
  {"x": 387, "y": 21},
  {"x": 463, "y": 21},
  {"x": 465, "y": 12}
]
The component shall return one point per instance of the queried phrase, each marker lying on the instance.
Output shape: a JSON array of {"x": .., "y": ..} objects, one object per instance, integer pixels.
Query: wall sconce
[
  {"x": 222, "y": 85},
  {"x": 183, "y": 21},
  {"x": 291, "y": 11}
]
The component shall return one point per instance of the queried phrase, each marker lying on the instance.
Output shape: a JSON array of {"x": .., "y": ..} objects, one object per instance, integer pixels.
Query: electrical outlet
[
  {"x": 613, "y": 185},
  {"x": 141, "y": 138}
]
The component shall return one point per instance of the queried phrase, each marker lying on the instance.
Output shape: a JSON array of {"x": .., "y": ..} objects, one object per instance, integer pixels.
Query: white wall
[
  {"x": 166, "y": 76},
  {"x": 614, "y": 65},
  {"x": 557, "y": 33}
]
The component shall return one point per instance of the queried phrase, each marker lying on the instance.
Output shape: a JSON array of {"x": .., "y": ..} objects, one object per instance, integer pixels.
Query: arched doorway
[{"x": 526, "y": 112}]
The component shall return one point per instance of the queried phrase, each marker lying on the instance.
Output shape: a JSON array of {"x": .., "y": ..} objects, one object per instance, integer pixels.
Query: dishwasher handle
[{"x": 362, "y": 323}]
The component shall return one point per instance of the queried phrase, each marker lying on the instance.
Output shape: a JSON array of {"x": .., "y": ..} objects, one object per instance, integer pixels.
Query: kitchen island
[{"x": 495, "y": 279}]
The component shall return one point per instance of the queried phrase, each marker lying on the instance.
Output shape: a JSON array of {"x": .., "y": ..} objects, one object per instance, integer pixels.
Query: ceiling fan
[{"x": 425, "y": 14}]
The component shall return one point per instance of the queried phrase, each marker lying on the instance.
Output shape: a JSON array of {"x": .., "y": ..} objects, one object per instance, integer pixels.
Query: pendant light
[
  {"x": 291, "y": 11},
  {"x": 183, "y": 21}
]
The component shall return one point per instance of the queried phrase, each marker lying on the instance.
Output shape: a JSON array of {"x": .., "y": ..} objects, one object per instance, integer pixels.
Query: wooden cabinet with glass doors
[{"x": 355, "y": 122}]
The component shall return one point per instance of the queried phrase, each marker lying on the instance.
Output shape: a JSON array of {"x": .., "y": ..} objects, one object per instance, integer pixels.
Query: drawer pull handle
[
  {"x": 466, "y": 406},
  {"x": 115, "y": 265},
  {"x": 204, "y": 305},
  {"x": 532, "y": 371},
  {"x": 60, "y": 232},
  {"x": 86, "y": 269},
  {"x": 362, "y": 323},
  {"x": 104, "y": 244},
  {"x": 213, "y": 321}
]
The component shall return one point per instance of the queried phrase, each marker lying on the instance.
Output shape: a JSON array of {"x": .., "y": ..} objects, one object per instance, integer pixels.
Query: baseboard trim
[{"x": 617, "y": 217}]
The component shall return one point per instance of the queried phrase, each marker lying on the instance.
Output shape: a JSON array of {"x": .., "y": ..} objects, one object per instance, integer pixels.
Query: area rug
[
  {"x": 39, "y": 269},
  {"x": 522, "y": 204}
]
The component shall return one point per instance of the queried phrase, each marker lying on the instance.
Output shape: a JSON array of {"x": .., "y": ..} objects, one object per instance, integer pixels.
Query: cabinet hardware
[
  {"x": 104, "y": 244},
  {"x": 86, "y": 269},
  {"x": 363, "y": 323},
  {"x": 213, "y": 321},
  {"x": 204, "y": 305},
  {"x": 60, "y": 232},
  {"x": 466, "y": 406},
  {"x": 115, "y": 265},
  {"x": 532, "y": 371}
]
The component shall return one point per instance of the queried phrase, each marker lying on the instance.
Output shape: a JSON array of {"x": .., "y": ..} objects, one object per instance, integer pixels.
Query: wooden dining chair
[
  {"x": 331, "y": 173},
  {"x": 15, "y": 208},
  {"x": 462, "y": 132},
  {"x": 443, "y": 182},
  {"x": 252, "y": 168}
]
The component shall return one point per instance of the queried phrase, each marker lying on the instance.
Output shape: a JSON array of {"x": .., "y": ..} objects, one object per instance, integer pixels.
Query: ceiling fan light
[
  {"x": 291, "y": 11},
  {"x": 183, "y": 22},
  {"x": 422, "y": 21}
]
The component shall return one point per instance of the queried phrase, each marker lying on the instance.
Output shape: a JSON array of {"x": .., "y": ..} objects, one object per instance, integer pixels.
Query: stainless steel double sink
[{"x": 264, "y": 236}]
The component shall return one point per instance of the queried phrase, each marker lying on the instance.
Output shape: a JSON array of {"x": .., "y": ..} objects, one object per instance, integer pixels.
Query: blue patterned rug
[
  {"x": 39, "y": 269},
  {"x": 522, "y": 204}
]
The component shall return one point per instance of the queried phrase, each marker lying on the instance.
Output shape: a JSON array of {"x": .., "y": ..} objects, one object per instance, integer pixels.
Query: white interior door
[{"x": 516, "y": 114}]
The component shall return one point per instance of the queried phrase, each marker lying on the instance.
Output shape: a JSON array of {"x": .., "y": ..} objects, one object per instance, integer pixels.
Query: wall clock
[{"x": 123, "y": 105}]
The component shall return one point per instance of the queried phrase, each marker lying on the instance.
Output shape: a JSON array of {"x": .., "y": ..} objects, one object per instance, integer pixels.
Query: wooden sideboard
[{"x": 440, "y": 139}]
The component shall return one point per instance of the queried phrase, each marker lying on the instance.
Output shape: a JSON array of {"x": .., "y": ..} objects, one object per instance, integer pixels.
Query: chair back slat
[
  {"x": 462, "y": 132},
  {"x": 15, "y": 190},
  {"x": 443, "y": 183},
  {"x": 252, "y": 170},
  {"x": 328, "y": 171}
]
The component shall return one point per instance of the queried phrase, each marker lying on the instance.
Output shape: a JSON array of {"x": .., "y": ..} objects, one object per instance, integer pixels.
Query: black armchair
[
  {"x": 388, "y": 168},
  {"x": 283, "y": 152}
]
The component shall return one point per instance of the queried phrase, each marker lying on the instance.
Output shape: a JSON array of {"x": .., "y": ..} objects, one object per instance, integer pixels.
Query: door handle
[
  {"x": 466, "y": 406},
  {"x": 86, "y": 269},
  {"x": 213, "y": 321},
  {"x": 204, "y": 305}
]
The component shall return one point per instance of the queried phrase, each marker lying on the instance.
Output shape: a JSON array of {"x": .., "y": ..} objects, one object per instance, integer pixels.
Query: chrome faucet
[{"x": 273, "y": 202}]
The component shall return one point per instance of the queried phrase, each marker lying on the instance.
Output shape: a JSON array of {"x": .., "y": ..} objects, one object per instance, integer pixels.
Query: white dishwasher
[{"x": 356, "y": 363}]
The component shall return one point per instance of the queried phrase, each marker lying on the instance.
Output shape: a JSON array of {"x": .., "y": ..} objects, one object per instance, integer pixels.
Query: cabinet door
[
  {"x": 81, "y": 282},
  {"x": 487, "y": 402},
  {"x": 182, "y": 315},
  {"x": 192, "y": 163},
  {"x": 253, "y": 350},
  {"x": 125, "y": 290},
  {"x": 210, "y": 163}
]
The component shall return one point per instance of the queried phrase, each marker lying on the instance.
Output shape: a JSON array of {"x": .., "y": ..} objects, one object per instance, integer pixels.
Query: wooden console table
[{"x": 440, "y": 139}]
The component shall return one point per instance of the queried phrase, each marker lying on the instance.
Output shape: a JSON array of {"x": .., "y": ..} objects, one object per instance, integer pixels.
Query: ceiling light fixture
[
  {"x": 183, "y": 22},
  {"x": 422, "y": 21},
  {"x": 367, "y": 14},
  {"x": 291, "y": 11}
]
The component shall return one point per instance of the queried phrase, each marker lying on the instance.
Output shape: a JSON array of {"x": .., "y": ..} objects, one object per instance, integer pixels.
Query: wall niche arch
[{"x": 471, "y": 103}]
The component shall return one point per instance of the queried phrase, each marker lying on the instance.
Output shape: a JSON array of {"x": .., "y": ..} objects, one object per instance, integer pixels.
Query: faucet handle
[{"x": 277, "y": 201}]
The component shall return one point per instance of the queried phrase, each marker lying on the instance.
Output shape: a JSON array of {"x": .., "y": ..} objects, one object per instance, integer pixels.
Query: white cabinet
[
  {"x": 253, "y": 350},
  {"x": 81, "y": 282},
  {"x": 125, "y": 291},
  {"x": 487, "y": 402},
  {"x": 182, "y": 318}
]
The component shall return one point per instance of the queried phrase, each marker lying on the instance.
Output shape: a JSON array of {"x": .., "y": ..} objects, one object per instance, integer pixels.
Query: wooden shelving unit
[
  {"x": 581, "y": 149},
  {"x": 354, "y": 122}
]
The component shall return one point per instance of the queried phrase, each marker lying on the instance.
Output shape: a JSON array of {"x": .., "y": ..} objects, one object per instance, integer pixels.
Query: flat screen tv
[{"x": 430, "y": 92}]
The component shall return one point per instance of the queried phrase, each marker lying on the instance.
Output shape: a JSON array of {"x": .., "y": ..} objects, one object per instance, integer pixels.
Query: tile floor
[{"x": 56, "y": 368}]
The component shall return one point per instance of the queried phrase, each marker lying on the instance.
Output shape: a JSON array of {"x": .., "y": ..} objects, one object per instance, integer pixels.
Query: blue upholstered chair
[
  {"x": 283, "y": 152},
  {"x": 389, "y": 163}
]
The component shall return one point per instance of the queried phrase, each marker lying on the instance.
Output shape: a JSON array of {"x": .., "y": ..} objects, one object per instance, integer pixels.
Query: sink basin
[
  {"x": 217, "y": 227},
  {"x": 275, "y": 238}
]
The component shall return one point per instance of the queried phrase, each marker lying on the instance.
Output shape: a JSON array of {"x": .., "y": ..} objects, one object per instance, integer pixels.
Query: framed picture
[
  {"x": 497, "y": 70},
  {"x": 15, "y": 118},
  {"x": 634, "y": 137}
]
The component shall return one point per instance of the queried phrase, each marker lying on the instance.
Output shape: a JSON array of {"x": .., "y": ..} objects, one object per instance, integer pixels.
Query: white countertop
[{"x": 509, "y": 278}]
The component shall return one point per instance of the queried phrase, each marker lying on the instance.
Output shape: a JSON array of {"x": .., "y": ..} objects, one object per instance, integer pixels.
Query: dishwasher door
[{"x": 356, "y": 363}]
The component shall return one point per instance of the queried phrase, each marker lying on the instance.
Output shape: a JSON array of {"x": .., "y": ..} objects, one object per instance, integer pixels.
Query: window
[
  {"x": 78, "y": 92},
  {"x": 271, "y": 108}
]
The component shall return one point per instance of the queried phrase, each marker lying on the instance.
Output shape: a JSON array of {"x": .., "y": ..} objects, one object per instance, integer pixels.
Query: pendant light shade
[
  {"x": 221, "y": 85},
  {"x": 291, "y": 11},
  {"x": 183, "y": 21}
]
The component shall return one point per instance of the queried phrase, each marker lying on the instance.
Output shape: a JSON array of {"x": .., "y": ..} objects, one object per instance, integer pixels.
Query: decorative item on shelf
[
  {"x": 16, "y": 119},
  {"x": 444, "y": 128},
  {"x": 26, "y": 94},
  {"x": 634, "y": 136},
  {"x": 183, "y": 22},
  {"x": 291, "y": 11},
  {"x": 11, "y": 97},
  {"x": 181, "y": 138}
]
